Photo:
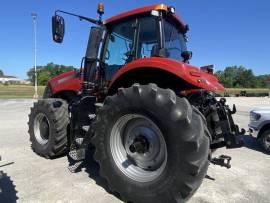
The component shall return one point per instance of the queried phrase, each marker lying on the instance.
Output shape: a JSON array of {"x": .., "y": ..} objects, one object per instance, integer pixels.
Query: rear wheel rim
[
  {"x": 41, "y": 128},
  {"x": 138, "y": 147}
]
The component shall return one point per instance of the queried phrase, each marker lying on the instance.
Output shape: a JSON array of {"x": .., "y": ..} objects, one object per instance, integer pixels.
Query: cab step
[
  {"x": 77, "y": 155},
  {"x": 74, "y": 166}
]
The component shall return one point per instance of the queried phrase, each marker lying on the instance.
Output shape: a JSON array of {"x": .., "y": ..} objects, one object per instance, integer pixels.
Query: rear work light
[
  {"x": 208, "y": 69},
  {"x": 171, "y": 9}
]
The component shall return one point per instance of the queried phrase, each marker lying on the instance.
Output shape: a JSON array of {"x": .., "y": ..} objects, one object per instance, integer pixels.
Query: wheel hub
[{"x": 138, "y": 147}]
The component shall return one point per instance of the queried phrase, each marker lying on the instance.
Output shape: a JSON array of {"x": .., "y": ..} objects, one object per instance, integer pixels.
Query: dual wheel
[{"x": 151, "y": 145}]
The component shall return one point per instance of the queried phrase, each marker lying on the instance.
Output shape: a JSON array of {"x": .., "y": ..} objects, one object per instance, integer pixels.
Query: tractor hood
[
  {"x": 66, "y": 81},
  {"x": 187, "y": 72}
]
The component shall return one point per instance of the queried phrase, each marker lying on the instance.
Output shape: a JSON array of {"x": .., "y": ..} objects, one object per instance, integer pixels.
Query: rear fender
[{"x": 191, "y": 75}]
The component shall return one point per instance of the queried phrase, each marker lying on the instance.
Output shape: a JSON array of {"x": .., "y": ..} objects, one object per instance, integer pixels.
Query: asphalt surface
[{"x": 36, "y": 179}]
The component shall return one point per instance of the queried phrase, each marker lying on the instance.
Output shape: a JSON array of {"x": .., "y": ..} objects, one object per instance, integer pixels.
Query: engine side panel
[{"x": 69, "y": 81}]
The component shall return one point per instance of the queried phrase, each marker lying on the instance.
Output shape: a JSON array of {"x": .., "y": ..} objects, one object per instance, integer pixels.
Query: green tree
[
  {"x": 1, "y": 73},
  {"x": 237, "y": 76},
  {"x": 244, "y": 78},
  {"x": 44, "y": 73},
  {"x": 261, "y": 81}
]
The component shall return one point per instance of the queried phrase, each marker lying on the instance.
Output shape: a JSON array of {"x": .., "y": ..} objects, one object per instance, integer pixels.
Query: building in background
[{"x": 12, "y": 80}]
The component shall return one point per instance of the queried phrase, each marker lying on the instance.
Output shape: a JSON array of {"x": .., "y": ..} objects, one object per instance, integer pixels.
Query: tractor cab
[
  {"x": 152, "y": 31},
  {"x": 156, "y": 33}
]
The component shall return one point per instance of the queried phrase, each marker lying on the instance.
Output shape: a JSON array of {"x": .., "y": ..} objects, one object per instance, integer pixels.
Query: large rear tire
[
  {"x": 151, "y": 145},
  {"x": 48, "y": 121}
]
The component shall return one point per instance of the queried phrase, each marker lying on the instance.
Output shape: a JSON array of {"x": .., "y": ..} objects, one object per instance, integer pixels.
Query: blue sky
[{"x": 223, "y": 33}]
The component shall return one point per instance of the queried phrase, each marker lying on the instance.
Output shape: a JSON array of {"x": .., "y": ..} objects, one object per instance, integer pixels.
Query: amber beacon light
[{"x": 100, "y": 8}]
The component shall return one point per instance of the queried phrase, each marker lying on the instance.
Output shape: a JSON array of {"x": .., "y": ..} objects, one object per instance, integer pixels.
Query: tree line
[
  {"x": 44, "y": 73},
  {"x": 241, "y": 77},
  {"x": 230, "y": 77}
]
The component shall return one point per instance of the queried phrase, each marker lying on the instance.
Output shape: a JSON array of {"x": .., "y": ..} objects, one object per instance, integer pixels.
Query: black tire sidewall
[
  {"x": 50, "y": 117},
  {"x": 47, "y": 92},
  {"x": 176, "y": 172},
  {"x": 45, "y": 107},
  {"x": 263, "y": 139}
]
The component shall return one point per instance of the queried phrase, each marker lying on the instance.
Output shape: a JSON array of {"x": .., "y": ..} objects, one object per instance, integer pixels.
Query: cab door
[{"x": 119, "y": 47}]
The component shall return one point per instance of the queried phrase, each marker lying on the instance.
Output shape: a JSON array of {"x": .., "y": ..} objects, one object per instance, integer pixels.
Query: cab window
[
  {"x": 148, "y": 37},
  {"x": 119, "y": 47},
  {"x": 174, "y": 41}
]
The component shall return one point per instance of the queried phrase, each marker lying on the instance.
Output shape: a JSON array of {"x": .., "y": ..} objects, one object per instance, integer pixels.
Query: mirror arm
[{"x": 97, "y": 22}]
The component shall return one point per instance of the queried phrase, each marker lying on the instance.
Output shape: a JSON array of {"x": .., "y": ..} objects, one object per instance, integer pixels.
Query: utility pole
[
  {"x": 34, "y": 16},
  {"x": 268, "y": 84}
]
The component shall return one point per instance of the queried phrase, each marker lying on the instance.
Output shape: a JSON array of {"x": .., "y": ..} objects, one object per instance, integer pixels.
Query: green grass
[
  {"x": 248, "y": 90},
  {"x": 19, "y": 91},
  {"x": 235, "y": 91},
  {"x": 27, "y": 91}
]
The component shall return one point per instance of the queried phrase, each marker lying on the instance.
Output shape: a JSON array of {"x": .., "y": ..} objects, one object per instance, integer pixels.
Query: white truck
[{"x": 259, "y": 126}]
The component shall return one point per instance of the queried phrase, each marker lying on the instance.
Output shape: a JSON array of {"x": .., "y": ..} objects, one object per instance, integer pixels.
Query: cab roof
[{"x": 142, "y": 10}]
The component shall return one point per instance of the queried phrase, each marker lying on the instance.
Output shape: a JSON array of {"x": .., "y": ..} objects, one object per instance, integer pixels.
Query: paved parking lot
[{"x": 39, "y": 180}]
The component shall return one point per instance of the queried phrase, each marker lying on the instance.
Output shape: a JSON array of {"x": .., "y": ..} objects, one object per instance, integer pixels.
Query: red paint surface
[
  {"x": 187, "y": 72},
  {"x": 71, "y": 84}
]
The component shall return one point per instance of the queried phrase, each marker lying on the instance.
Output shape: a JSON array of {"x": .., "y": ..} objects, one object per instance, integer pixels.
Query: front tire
[
  {"x": 48, "y": 121},
  {"x": 47, "y": 92},
  {"x": 151, "y": 145}
]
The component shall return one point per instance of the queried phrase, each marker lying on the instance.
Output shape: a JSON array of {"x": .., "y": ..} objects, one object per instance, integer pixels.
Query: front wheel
[
  {"x": 265, "y": 141},
  {"x": 151, "y": 145},
  {"x": 47, "y": 92},
  {"x": 48, "y": 127}
]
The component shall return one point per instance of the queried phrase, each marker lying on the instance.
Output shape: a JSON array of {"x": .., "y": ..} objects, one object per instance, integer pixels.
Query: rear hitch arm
[
  {"x": 233, "y": 111},
  {"x": 222, "y": 160},
  {"x": 231, "y": 132}
]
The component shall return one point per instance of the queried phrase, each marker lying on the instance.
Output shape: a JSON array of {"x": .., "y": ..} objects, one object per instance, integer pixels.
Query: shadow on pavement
[
  {"x": 7, "y": 164},
  {"x": 7, "y": 189},
  {"x": 253, "y": 143},
  {"x": 92, "y": 168}
]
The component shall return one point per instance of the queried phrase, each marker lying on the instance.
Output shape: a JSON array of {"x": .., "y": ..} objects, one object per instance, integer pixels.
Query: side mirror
[{"x": 58, "y": 28}]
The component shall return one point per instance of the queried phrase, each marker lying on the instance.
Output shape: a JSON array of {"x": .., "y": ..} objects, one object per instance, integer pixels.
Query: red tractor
[{"x": 150, "y": 115}]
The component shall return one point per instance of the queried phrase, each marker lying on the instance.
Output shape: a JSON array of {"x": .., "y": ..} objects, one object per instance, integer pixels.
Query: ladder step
[
  {"x": 92, "y": 116},
  {"x": 73, "y": 167},
  {"x": 99, "y": 105},
  {"x": 77, "y": 155},
  {"x": 79, "y": 141},
  {"x": 86, "y": 128}
]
